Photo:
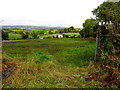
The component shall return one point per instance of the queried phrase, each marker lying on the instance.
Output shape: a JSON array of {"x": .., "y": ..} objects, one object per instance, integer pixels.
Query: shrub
[
  {"x": 5, "y": 35},
  {"x": 24, "y": 35}
]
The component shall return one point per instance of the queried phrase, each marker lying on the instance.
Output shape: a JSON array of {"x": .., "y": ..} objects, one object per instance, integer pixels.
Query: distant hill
[{"x": 31, "y": 27}]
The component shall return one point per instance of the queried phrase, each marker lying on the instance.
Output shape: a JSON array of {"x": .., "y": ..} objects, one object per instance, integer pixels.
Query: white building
[{"x": 60, "y": 35}]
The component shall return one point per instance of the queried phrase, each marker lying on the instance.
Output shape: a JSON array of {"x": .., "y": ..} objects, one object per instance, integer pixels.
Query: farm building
[
  {"x": 69, "y": 36},
  {"x": 60, "y": 35},
  {"x": 41, "y": 38}
]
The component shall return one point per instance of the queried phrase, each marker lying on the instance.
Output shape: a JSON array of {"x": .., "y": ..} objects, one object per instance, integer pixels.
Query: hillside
[{"x": 31, "y": 27}]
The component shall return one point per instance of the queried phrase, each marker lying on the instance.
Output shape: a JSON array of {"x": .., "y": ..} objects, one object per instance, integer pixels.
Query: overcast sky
[{"x": 47, "y": 12}]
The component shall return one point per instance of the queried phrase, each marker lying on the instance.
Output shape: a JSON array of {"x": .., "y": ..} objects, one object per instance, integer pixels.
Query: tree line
[{"x": 107, "y": 14}]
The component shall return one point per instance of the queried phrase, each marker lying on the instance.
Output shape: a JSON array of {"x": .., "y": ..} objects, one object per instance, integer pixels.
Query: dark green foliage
[
  {"x": 5, "y": 35},
  {"x": 70, "y": 29},
  {"x": 42, "y": 32},
  {"x": 50, "y": 32},
  {"x": 25, "y": 35},
  {"x": 82, "y": 33},
  {"x": 108, "y": 14},
  {"x": 89, "y": 28},
  {"x": 61, "y": 31},
  {"x": 66, "y": 30},
  {"x": 34, "y": 35},
  {"x": 56, "y": 32}
]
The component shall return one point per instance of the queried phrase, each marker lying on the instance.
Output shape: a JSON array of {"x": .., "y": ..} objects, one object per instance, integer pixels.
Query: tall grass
[{"x": 50, "y": 63}]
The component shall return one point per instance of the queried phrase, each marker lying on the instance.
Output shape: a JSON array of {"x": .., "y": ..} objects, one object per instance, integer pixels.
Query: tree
[
  {"x": 108, "y": 46},
  {"x": 71, "y": 29},
  {"x": 56, "y": 32},
  {"x": 66, "y": 30},
  {"x": 5, "y": 35},
  {"x": 34, "y": 35},
  {"x": 82, "y": 33},
  {"x": 108, "y": 14},
  {"x": 61, "y": 31},
  {"x": 50, "y": 32},
  {"x": 88, "y": 28},
  {"x": 42, "y": 32},
  {"x": 25, "y": 35}
]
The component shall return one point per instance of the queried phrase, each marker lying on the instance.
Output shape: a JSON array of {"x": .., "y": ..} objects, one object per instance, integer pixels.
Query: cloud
[{"x": 48, "y": 12}]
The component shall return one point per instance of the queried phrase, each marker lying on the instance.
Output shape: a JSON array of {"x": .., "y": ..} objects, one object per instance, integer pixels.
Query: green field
[
  {"x": 14, "y": 36},
  {"x": 71, "y": 33},
  {"x": 50, "y": 63}
]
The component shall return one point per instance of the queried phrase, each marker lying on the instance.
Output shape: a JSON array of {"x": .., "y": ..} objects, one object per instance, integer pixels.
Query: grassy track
[{"x": 50, "y": 63}]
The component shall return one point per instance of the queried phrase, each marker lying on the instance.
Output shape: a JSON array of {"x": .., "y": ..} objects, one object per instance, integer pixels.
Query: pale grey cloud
[{"x": 47, "y": 12}]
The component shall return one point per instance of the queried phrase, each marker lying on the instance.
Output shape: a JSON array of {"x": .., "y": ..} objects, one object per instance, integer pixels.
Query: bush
[
  {"x": 34, "y": 35},
  {"x": 24, "y": 35},
  {"x": 5, "y": 35}
]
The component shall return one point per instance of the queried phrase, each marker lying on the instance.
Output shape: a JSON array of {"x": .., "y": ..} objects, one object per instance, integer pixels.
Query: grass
[
  {"x": 50, "y": 63},
  {"x": 48, "y": 35},
  {"x": 14, "y": 36},
  {"x": 18, "y": 30},
  {"x": 71, "y": 33},
  {"x": 35, "y": 30}
]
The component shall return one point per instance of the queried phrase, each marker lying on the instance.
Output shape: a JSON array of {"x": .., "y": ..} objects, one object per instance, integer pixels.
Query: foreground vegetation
[
  {"x": 54, "y": 63},
  {"x": 106, "y": 28},
  {"x": 49, "y": 63}
]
